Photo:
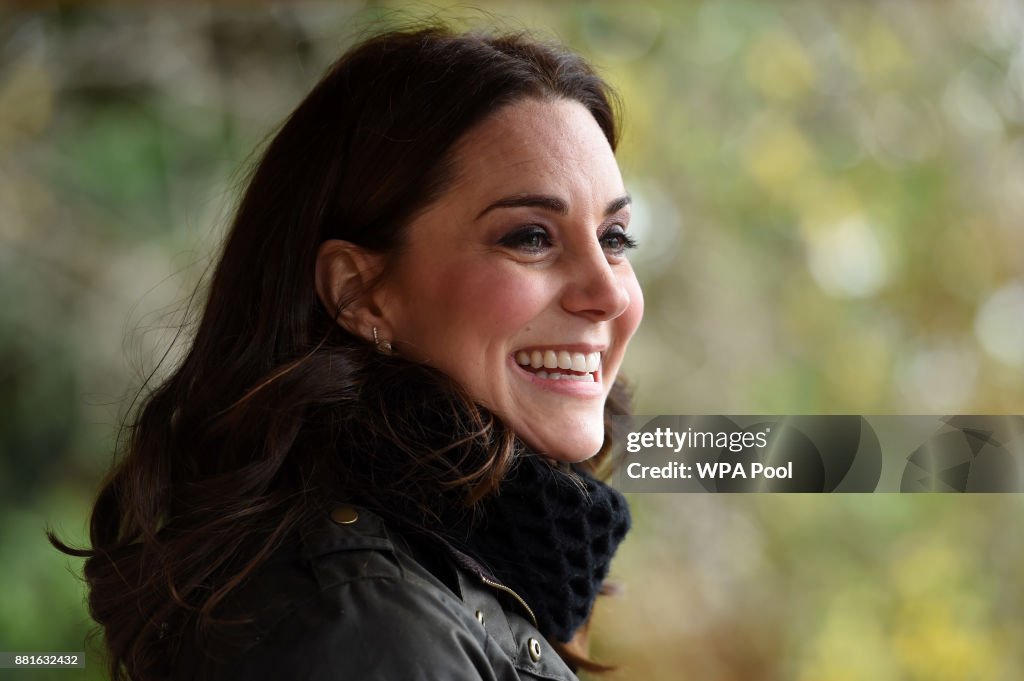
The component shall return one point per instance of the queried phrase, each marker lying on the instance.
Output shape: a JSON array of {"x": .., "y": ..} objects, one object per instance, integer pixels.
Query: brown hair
[{"x": 251, "y": 436}]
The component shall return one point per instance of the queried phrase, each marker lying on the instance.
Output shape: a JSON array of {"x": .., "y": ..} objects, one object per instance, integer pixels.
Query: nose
[{"x": 594, "y": 288}]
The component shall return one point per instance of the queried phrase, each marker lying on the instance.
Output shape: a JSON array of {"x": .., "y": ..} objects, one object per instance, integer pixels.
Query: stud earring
[{"x": 383, "y": 346}]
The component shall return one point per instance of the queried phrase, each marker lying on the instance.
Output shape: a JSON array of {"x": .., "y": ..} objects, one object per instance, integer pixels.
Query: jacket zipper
[{"x": 514, "y": 595}]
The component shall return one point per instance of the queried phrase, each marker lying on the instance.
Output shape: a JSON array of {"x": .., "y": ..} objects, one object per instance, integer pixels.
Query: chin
[{"x": 575, "y": 451}]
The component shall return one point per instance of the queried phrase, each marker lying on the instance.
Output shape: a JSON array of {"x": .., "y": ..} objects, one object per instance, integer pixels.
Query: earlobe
[{"x": 345, "y": 275}]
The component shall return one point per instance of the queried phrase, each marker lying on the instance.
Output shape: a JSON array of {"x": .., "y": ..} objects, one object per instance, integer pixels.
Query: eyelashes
[
  {"x": 620, "y": 240},
  {"x": 528, "y": 239},
  {"x": 535, "y": 240}
]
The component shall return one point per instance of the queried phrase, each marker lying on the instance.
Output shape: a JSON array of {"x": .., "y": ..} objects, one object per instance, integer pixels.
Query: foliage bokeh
[{"x": 828, "y": 200}]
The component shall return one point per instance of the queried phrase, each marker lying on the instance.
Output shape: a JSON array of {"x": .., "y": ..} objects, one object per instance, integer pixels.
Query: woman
[{"x": 376, "y": 459}]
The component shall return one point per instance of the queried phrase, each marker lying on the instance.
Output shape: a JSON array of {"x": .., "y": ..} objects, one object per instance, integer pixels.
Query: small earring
[{"x": 383, "y": 346}]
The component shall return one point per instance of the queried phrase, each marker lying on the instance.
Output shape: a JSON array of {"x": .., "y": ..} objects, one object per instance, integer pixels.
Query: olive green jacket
[{"x": 357, "y": 601}]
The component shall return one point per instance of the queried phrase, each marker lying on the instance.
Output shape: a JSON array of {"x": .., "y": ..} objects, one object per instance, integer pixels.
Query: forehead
[{"x": 537, "y": 146}]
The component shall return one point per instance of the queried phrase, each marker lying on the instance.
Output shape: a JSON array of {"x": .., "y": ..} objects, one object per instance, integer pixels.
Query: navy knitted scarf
[{"x": 549, "y": 535}]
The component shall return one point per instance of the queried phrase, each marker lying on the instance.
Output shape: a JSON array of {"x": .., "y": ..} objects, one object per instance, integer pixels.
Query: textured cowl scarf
[{"x": 548, "y": 533}]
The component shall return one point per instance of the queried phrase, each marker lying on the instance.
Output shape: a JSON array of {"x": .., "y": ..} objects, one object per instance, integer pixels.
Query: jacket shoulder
[
  {"x": 371, "y": 628},
  {"x": 351, "y": 601}
]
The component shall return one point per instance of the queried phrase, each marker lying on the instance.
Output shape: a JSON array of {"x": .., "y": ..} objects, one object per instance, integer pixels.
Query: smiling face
[{"x": 516, "y": 283}]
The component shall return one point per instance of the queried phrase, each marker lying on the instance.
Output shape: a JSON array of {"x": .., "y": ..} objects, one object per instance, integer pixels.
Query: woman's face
[{"x": 516, "y": 282}]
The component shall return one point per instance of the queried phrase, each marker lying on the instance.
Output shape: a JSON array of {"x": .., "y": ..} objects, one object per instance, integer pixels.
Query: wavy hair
[{"x": 255, "y": 431}]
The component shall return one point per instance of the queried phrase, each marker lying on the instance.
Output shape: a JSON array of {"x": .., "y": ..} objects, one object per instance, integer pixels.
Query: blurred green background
[{"x": 828, "y": 197}]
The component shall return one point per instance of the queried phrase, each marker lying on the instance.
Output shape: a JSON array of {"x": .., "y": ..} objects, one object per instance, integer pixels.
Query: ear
[{"x": 344, "y": 274}]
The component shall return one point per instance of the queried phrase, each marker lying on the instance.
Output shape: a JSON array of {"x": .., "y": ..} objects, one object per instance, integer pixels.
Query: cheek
[{"x": 480, "y": 306}]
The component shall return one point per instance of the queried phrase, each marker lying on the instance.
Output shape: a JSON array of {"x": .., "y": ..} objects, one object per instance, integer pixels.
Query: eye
[
  {"x": 530, "y": 239},
  {"x": 615, "y": 240}
]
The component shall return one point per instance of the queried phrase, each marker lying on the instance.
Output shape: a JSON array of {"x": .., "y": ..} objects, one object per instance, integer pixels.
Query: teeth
[
  {"x": 584, "y": 363},
  {"x": 556, "y": 376}
]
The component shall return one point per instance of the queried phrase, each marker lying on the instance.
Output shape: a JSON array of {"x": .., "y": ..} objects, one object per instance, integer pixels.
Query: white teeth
[
  {"x": 581, "y": 363},
  {"x": 555, "y": 376}
]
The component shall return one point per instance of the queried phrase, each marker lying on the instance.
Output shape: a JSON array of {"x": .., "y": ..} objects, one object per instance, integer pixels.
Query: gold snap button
[
  {"x": 344, "y": 515},
  {"x": 479, "y": 617},
  {"x": 534, "y": 646}
]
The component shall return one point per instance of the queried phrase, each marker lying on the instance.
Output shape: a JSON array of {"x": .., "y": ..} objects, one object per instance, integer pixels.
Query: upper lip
[{"x": 570, "y": 347}]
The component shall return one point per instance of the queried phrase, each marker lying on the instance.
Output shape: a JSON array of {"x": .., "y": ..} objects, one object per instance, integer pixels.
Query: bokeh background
[{"x": 828, "y": 201}]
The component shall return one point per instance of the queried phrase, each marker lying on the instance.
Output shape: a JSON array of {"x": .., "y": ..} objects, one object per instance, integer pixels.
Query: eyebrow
[{"x": 551, "y": 203}]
